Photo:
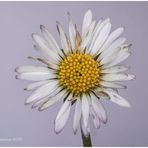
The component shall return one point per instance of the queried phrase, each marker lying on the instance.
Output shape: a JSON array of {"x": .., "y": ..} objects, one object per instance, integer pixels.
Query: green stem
[{"x": 86, "y": 140}]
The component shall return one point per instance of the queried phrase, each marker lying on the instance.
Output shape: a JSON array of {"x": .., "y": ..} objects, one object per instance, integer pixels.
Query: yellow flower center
[{"x": 78, "y": 73}]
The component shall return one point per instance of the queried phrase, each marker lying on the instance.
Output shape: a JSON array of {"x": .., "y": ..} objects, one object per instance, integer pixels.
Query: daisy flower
[{"x": 83, "y": 70}]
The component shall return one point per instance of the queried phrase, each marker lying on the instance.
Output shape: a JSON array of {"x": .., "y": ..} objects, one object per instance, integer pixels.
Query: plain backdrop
[{"x": 22, "y": 126}]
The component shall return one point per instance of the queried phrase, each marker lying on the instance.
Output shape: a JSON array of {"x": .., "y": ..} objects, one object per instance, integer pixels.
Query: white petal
[
  {"x": 48, "y": 61},
  {"x": 43, "y": 48},
  {"x": 39, "y": 102},
  {"x": 35, "y": 85},
  {"x": 42, "y": 91},
  {"x": 114, "y": 97},
  {"x": 113, "y": 36},
  {"x": 110, "y": 56},
  {"x": 116, "y": 44},
  {"x": 115, "y": 69},
  {"x": 114, "y": 77},
  {"x": 130, "y": 77},
  {"x": 86, "y": 130},
  {"x": 123, "y": 55},
  {"x": 119, "y": 100},
  {"x": 101, "y": 94},
  {"x": 86, "y": 22},
  {"x": 52, "y": 100},
  {"x": 97, "y": 30},
  {"x": 101, "y": 38},
  {"x": 111, "y": 84},
  {"x": 86, "y": 40},
  {"x": 35, "y": 76},
  {"x": 96, "y": 120},
  {"x": 22, "y": 69},
  {"x": 64, "y": 107},
  {"x": 77, "y": 115},
  {"x": 72, "y": 32},
  {"x": 50, "y": 39},
  {"x": 60, "y": 123},
  {"x": 98, "y": 108},
  {"x": 126, "y": 47},
  {"x": 64, "y": 42},
  {"x": 85, "y": 110}
]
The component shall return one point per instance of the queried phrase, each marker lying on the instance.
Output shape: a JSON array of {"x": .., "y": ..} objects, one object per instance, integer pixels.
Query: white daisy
[{"x": 80, "y": 72}]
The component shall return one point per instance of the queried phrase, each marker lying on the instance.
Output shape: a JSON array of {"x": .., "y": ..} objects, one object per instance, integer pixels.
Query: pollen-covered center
[{"x": 78, "y": 73}]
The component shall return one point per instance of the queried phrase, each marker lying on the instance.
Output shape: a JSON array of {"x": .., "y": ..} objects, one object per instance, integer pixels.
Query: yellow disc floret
[{"x": 78, "y": 73}]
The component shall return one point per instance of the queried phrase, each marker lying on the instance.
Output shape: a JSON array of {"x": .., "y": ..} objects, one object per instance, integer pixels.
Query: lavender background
[{"x": 22, "y": 126}]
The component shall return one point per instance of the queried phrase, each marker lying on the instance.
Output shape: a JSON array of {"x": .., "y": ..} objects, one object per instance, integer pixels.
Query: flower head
[{"x": 81, "y": 72}]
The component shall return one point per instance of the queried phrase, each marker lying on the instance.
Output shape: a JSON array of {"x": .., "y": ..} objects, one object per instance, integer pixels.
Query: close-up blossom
[{"x": 84, "y": 69}]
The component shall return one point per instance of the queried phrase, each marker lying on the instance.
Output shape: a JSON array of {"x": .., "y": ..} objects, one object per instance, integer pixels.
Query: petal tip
[
  {"x": 74, "y": 132},
  {"x": 26, "y": 103},
  {"x": 108, "y": 19},
  {"x": 42, "y": 27},
  {"x": 33, "y": 35},
  {"x": 89, "y": 11},
  {"x": 57, "y": 131},
  {"x": 25, "y": 89},
  {"x": 134, "y": 77},
  {"x": 33, "y": 107},
  {"x": 17, "y": 77},
  {"x": 16, "y": 69},
  {"x": 127, "y": 105},
  {"x": 131, "y": 77},
  {"x": 40, "y": 109},
  {"x": 69, "y": 15},
  {"x": 105, "y": 121},
  {"x": 57, "y": 22}
]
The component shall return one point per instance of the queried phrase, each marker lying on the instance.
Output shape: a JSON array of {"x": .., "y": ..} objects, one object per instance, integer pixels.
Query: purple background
[{"x": 125, "y": 127}]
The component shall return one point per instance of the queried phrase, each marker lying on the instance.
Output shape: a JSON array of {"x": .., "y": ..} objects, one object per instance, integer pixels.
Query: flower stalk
[{"x": 86, "y": 139}]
